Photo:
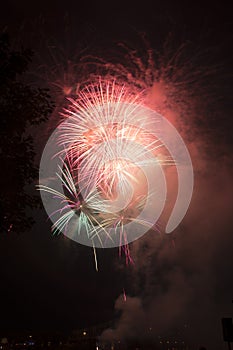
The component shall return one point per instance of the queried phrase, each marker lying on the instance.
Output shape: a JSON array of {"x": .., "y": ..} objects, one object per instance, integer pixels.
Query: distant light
[{"x": 84, "y": 333}]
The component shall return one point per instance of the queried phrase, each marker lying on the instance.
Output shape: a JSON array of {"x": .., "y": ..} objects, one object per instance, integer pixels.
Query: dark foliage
[{"x": 21, "y": 106}]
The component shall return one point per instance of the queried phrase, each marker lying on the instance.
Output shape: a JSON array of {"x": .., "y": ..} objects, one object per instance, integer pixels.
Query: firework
[{"x": 104, "y": 167}]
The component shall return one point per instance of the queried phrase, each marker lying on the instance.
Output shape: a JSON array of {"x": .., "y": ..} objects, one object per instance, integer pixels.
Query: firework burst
[{"x": 109, "y": 153}]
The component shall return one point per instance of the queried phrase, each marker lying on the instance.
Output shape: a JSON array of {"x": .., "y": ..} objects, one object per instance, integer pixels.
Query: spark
[
  {"x": 124, "y": 295},
  {"x": 95, "y": 256}
]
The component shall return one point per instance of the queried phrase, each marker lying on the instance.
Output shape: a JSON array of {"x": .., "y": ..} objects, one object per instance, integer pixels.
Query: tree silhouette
[{"x": 21, "y": 105}]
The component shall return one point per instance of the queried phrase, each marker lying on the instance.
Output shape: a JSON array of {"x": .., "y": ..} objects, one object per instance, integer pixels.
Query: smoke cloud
[{"x": 181, "y": 283}]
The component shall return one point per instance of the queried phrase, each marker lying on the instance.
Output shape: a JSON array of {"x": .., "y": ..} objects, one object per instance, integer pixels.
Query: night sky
[{"x": 183, "y": 281}]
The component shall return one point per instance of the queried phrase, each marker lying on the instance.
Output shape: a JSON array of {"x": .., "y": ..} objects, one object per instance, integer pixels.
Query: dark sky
[{"x": 50, "y": 282}]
